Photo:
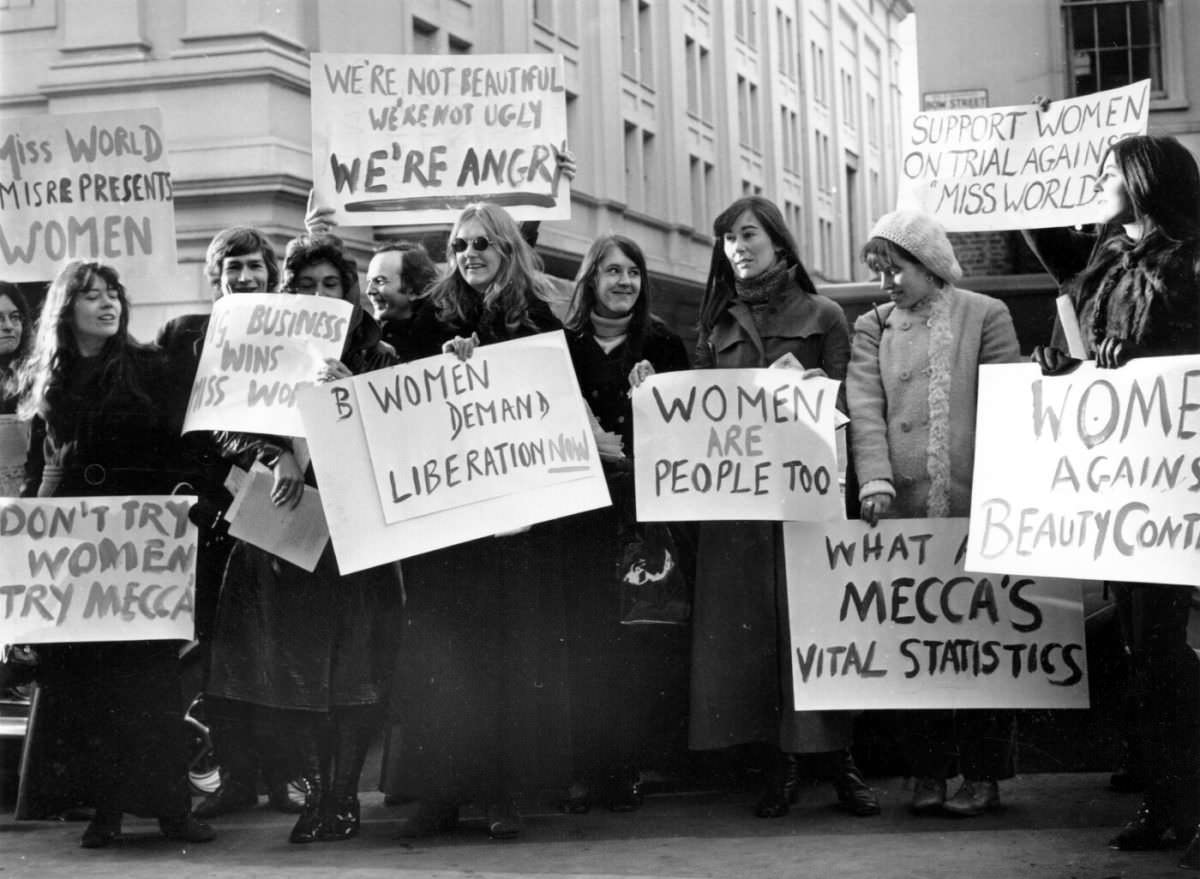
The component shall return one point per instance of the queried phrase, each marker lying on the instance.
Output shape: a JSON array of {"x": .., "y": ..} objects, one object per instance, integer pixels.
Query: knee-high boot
[
  {"x": 306, "y": 745},
  {"x": 353, "y": 729}
]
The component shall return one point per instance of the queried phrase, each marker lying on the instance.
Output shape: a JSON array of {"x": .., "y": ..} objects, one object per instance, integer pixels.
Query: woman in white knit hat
[{"x": 912, "y": 391}]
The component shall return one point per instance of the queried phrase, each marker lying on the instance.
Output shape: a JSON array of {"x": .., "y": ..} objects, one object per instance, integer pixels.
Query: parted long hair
[
  {"x": 719, "y": 291},
  {"x": 45, "y": 373},
  {"x": 10, "y": 365},
  {"x": 583, "y": 302},
  {"x": 518, "y": 278}
]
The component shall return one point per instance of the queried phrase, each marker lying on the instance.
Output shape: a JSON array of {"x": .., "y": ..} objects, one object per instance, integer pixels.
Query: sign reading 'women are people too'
[{"x": 405, "y": 139}]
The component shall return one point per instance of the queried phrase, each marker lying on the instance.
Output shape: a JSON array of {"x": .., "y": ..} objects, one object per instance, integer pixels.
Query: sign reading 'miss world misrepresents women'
[{"x": 404, "y": 139}]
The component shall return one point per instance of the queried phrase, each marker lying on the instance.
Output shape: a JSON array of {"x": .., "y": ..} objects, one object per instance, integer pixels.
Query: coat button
[
  {"x": 595, "y": 394},
  {"x": 905, "y": 427},
  {"x": 906, "y": 325},
  {"x": 620, "y": 419},
  {"x": 905, "y": 375}
]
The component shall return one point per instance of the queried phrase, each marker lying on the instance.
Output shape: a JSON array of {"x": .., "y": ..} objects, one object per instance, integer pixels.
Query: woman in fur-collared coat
[
  {"x": 912, "y": 389},
  {"x": 1134, "y": 286}
]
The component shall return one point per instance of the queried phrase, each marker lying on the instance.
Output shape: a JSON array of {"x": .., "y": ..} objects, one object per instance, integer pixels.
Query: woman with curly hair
[
  {"x": 307, "y": 652},
  {"x": 16, "y": 339},
  {"x": 479, "y": 698},
  {"x": 106, "y": 730}
]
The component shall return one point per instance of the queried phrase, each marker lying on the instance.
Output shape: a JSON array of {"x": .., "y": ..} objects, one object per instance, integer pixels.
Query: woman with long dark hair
[
  {"x": 308, "y": 652},
  {"x": 479, "y": 698},
  {"x": 107, "y": 729},
  {"x": 16, "y": 340},
  {"x": 759, "y": 305},
  {"x": 627, "y": 683},
  {"x": 1134, "y": 286}
]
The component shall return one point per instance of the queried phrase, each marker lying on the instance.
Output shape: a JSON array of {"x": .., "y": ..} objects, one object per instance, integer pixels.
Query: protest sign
[
  {"x": 14, "y": 443},
  {"x": 885, "y": 617},
  {"x": 96, "y": 569},
  {"x": 259, "y": 349},
  {"x": 1016, "y": 167},
  {"x": 498, "y": 442},
  {"x": 508, "y": 420},
  {"x": 735, "y": 444},
  {"x": 1093, "y": 474},
  {"x": 88, "y": 186},
  {"x": 407, "y": 139}
]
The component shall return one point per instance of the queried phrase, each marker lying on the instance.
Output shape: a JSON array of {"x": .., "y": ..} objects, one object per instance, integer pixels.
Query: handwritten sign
[
  {"x": 735, "y": 444},
  {"x": 1093, "y": 474},
  {"x": 886, "y": 617},
  {"x": 96, "y": 569},
  {"x": 405, "y": 139},
  {"x": 1016, "y": 167},
  {"x": 87, "y": 185},
  {"x": 494, "y": 444},
  {"x": 14, "y": 443},
  {"x": 261, "y": 348}
]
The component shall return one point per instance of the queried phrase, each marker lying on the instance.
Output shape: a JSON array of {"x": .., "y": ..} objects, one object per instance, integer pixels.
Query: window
[
  {"x": 425, "y": 37},
  {"x": 691, "y": 56},
  {"x": 543, "y": 13},
  {"x": 633, "y": 166},
  {"x": 743, "y": 99},
  {"x": 459, "y": 46},
  {"x": 818, "y": 75},
  {"x": 872, "y": 120},
  {"x": 706, "y": 95},
  {"x": 790, "y": 131},
  {"x": 1111, "y": 43},
  {"x": 636, "y": 57}
]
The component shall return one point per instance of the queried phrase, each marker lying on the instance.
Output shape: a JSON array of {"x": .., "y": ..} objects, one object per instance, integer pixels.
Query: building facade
[
  {"x": 1057, "y": 49},
  {"x": 675, "y": 107}
]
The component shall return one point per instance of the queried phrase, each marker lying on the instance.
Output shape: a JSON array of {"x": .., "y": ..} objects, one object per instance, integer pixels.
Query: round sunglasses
[{"x": 458, "y": 245}]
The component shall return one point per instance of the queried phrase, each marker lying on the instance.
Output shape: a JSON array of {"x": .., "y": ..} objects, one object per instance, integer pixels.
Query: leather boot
[
  {"x": 104, "y": 827},
  {"x": 232, "y": 795},
  {"x": 504, "y": 820},
  {"x": 1146, "y": 831},
  {"x": 781, "y": 786},
  {"x": 185, "y": 828},
  {"x": 308, "y": 825},
  {"x": 341, "y": 819},
  {"x": 1191, "y": 855},
  {"x": 975, "y": 797},
  {"x": 929, "y": 795},
  {"x": 853, "y": 792}
]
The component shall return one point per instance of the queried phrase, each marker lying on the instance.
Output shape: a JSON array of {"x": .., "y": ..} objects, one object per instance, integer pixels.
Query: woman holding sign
[
  {"x": 1134, "y": 287},
  {"x": 479, "y": 700},
  {"x": 760, "y": 306},
  {"x": 309, "y": 651},
  {"x": 912, "y": 390},
  {"x": 624, "y": 678},
  {"x": 106, "y": 730}
]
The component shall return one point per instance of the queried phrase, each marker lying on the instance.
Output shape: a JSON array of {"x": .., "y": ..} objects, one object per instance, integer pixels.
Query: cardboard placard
[
  {"x": 409, "y": 139},
  {"x": 886, "y": 617},
  {"x": 96, "y": 569},
  {"x": 261, "y": 348},
  {"x": 1016, "y": 167},
  {"x": 1093, "y": 474},
  {"x": 736, "y": 444},
  {"x": 87, "y": 186}
]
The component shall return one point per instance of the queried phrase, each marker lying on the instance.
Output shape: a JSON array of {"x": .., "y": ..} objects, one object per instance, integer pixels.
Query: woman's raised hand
[
  {"x": 460, "y": 347},
  {"x": 566, "y": 162},
  {"x": 318, "y": 219}
]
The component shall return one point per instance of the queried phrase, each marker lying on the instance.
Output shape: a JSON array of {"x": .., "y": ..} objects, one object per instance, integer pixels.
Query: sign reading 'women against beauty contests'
[
  {"x": 735, "y": 444},
  {"x": 88, "y": 186},
  {"x": 96, "y": 569},
  {"x": 404, "y": 139},
  {"x": 441, "y": 451},
  {"x": 886, "y": 617},
  {"x": 259, "y": 349},
  {"x": 1092, "y": 474},
  {"x": 1016, "y": 167}
]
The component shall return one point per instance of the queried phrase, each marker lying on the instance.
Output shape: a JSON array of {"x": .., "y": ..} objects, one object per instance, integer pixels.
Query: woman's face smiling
[
  {"x": 477, "y": 267},
  {"x": 906, "y": 283},
  {"x": 748, "y": 247},
  {"x": 618, "y": 283}
]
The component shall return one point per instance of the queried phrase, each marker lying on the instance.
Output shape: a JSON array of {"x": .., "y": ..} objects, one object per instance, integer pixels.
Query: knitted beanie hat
[{"x": 923, "y": 237}]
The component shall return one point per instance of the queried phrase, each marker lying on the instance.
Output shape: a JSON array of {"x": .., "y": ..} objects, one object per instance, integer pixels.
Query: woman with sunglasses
[
  {"x": 107, "y": 727},
  {"x": 308, "y": 653},
  {"x": 479, "y": 698}
]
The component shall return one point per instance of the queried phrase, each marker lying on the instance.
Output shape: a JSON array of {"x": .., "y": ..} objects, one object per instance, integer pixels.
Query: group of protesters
[{"x": 499, "y": 667}]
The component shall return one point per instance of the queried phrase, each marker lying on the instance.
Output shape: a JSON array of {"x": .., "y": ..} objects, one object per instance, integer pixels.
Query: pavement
[{"x": 1050, "y": 826}]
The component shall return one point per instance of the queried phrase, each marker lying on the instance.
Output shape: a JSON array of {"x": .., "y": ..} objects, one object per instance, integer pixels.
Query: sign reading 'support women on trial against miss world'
[
  {"x": 887, "y": 617},
  {"x": 96, "y": 569},
  {"x": 1093, "y": 474},
  {"x": 1016, "y": 167},
  {"x": 405, "y": 139},
  {"x": 91, "y": 186}
]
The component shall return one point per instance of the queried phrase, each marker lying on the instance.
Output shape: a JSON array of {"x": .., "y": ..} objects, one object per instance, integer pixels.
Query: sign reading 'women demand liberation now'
[
  {"x": 1093, "y": 474},
  {"x": 404, "y": 139}
]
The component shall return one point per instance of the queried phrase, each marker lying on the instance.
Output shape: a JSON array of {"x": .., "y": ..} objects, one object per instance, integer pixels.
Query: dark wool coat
[
  {"x": 107, "y": 725},
  {"x": 287, "y": 638},
  {"x": 741, "y": 673}
]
